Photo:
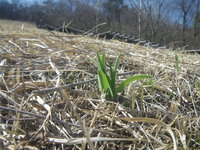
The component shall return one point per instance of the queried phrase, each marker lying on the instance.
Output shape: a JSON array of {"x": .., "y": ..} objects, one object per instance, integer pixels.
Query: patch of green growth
[
  {"x": 107, "y": 79},
  {"x": 68, "y": 77},
  {"x": 177, "y": 63},
  {"x": 198, "y": 85}
]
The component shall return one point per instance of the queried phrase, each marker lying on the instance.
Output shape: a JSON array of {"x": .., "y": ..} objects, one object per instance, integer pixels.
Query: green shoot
[
  {"x": 198, "y": 85},
  {"x": 107, "y": 81},
  {"x": 177, "y": 63}
]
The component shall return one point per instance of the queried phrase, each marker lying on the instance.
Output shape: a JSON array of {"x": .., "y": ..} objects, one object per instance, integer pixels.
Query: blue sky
[
  {"x": 31, "y": 1},
  {"x": 28, "y": 2}
]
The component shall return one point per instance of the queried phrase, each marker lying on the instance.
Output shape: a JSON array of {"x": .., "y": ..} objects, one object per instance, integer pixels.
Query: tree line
[{"x": 173, "y": 23}]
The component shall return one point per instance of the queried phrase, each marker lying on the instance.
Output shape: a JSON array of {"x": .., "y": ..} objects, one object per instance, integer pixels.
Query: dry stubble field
[{"x": 49, "y": 100}]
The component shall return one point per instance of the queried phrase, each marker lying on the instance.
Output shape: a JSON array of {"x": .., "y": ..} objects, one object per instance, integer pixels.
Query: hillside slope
[{"x": 45, "y": 104}]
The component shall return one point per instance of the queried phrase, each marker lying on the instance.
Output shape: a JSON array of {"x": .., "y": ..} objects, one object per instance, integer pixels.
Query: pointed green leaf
[
  {"x": 100, "y": 83},
  {"x": 112, "y": 81},
  {"x": 107, "y": 83},
  {"x": 116, "y": 63},
  {"x": 95, "y": 63},
  {"x": 101, "y": 61},
  {"x": 103, "y": 81},
  {"x": 113, "y": 74},
  {"x": 131, "y": 79},
  {"x": 177, "y": 62}
]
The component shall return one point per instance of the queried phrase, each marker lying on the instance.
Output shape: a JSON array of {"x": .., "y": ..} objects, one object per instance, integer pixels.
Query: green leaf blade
[
  {"x": 116, "y": 63},
  {"x": 100, "y": 66},
  {"x": 104, "y": 82},
  {"x": 126, "y": 82},
  {"x": 177, "y": 62},
  {"x": 95, "y": 63},
  {"x": 102, "y": 61},
  {"x": 112, "y": 81},
  {"x": 113, "y": 74}
]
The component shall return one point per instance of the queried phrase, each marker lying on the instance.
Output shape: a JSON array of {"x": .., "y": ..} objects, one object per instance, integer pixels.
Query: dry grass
[{"x": 45, "y": 104}]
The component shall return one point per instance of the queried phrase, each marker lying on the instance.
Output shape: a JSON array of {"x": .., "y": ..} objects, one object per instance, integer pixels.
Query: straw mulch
[{"x": 50, "y": 100}]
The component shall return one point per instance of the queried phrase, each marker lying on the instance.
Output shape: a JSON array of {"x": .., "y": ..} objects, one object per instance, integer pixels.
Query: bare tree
[
  {"x": 138, "y": 7},
  {"x": 185, "y": 8},
  {"x": 113, "y": 10},
  {"x": 196, "y": 27},
  {"x": 155, "y": 24},
  {"x": 139, "y": 19},
  {"x": 98, "y": 4}
]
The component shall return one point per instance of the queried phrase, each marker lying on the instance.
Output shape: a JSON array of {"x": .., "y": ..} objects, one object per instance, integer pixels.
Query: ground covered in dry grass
[{"x": 49, "y": 97}]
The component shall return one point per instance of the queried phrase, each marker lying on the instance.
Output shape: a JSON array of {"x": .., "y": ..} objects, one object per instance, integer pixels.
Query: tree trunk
[
  {"x": 183, "y": 29},
  {"x": 139, "y": 20}
]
